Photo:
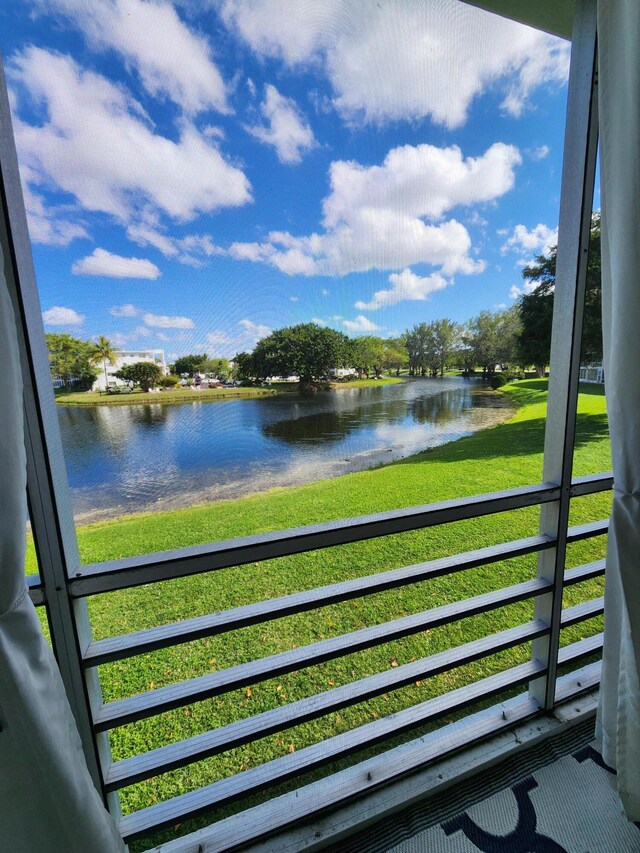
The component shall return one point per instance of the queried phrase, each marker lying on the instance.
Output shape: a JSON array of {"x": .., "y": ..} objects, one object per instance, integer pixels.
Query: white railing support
[{"x": 576, "y": 203}]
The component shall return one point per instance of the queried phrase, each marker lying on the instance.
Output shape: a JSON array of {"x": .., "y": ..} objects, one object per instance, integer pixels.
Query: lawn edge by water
[
  {"x": 206, "y": 395},
  {"x": 266, "y": 494},
  {"x": 528, "y": 399}
]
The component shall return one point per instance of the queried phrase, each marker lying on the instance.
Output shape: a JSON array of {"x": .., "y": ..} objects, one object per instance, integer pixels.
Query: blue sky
[{"x": 197, "y": 174}]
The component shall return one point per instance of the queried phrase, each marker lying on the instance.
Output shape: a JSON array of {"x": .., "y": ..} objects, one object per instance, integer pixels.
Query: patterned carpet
[{"x": 568, "y": 806}]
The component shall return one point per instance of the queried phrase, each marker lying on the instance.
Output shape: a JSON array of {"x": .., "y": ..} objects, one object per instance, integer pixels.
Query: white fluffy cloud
[
  {"x": 285, "y": 128},
  {"x": 374, "y": 216},
  {"x": 527, "y": 243},
  {"x": 127, "y": 310},
  {"x": 103, "y": 263},
  {"x": 537, "y": 240},
  {"x": 421, "y": 180},
  {"x": 49, "y": 225},
  {"x": 539, "y": 153},
  {"x": 360, "y": 324},
  {"x": 191, "y": 249},
  {"x": 170, "y": 60},
  {"x": 404, "y": 60},
  {"x": 58, "y": 315},
  {"x": 405, "y": 285},
  {"x": 527, "y": 288},
  {"x": 162, "y": 321},
  {"x": 253, "y": 331},
  {"x": 244, "y": 337},
  {"x": 97, "y": 144}
]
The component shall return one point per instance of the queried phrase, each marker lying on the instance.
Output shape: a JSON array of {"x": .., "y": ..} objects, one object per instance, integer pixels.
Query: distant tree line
[
  {"x": 511, "y": 339},
  {"x": 219, "y": 368}
]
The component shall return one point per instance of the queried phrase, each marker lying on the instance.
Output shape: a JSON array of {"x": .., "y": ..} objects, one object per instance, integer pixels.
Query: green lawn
[
  {"x": 368, "y": 383},
  {"x": 188, "y": 395},
  {"x": 504, "y": 456}
]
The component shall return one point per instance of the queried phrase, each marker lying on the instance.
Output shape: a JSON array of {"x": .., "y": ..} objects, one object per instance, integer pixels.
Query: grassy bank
[
  {"x": 504, "y": 456},
  {"x": 368, "y": 383},
  {"x": 188, "y": 395},
  {"x": 164, "y": 397}
]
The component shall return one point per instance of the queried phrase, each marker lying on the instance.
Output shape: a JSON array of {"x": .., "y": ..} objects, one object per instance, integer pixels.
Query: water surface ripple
[{"x": 124, "y": 459}]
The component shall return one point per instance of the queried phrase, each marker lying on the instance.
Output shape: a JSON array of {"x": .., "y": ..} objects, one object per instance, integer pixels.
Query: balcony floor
[{"x": 560, "y": 798}]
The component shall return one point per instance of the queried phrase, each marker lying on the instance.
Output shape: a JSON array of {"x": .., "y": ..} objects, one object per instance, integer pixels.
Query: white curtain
[
  {"x": 619, "y": 108},
  {"x": 48, "y": 803}
]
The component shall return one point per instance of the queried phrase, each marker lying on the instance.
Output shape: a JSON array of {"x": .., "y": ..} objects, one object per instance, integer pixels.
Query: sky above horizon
[{"x": 197, "y": 174}]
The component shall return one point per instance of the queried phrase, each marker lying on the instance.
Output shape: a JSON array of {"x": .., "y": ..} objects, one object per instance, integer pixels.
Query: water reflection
[{"x": 127, "y": 458}]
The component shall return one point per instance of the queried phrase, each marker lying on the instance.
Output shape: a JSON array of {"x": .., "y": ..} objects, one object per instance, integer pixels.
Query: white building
[
  {"x": 124, "y": 357},
  {"x": 342, "y": 372},
  {"x": 592, "y": 373}
]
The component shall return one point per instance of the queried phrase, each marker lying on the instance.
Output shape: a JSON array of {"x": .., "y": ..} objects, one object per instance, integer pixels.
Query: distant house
[
  {"x": 155, "y": 356},
  {"x": 342, "y": 372},
  {"x": 592, "y": 373}
]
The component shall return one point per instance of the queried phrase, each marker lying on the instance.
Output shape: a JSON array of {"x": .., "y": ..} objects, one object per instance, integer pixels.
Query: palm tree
[{"x": 103, "y": 351}]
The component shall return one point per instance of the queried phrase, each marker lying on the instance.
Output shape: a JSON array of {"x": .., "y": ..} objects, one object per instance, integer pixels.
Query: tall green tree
[
  {"x": 243, "y": 367},
  {"x": 306, "y": 350},
  {"x": 431, "y": 347},
  {"x": 218, "y": 366},
  {"x": 190, "y": 363},
  {"x": 143, "y": 373},
  {"x": 493, "y": 337},
  {"x": 104, "y": 353},
  {"x": 395, "y": 355},
  {"x": 416, "y": 343},
  {"x": 536, "y": 308},
  {"x": 465, "y": 357},
  {"x": 70, "y": 359},
  {"x": 367, "y": 354},
  {"x": 444, "y": 341}
]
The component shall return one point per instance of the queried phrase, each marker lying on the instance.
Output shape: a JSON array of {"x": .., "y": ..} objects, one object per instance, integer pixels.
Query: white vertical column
[
  {"x": 49, "y": 499},
  {"x": 576, "y": 201}
]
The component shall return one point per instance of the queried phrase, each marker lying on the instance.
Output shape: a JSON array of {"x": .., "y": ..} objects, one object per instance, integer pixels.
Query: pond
[{"x": 129, "y": 458}]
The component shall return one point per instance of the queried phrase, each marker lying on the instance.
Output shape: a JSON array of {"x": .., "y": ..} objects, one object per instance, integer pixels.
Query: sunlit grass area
[{"x": 504, "y": 456}]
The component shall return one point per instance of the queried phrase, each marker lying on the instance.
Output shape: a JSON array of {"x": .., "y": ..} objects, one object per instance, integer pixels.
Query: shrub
[
  {"x": 168, "y": 381},
  {"x": 498, "y": 380},
  {"x": 512, "y": 375}
]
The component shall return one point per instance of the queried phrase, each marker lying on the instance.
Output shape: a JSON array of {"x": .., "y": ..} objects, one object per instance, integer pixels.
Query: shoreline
[
  {"x": 206, "y": 395},
  {"x": 483, "y": 419}
]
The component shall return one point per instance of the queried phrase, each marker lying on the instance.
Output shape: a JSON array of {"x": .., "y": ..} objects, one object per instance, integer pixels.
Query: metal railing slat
[
  {"x": 287, "y": 766},
  {"x": 128, "y": 645},
  {"x": 133, "y": 571},
  {"x": 165, "y": 758},
  {"x": 172, "y": 696},
  {"x": 581, "y": 612}
]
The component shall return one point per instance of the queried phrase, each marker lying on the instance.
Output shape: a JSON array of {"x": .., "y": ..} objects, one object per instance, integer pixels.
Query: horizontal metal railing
[
  {"x": 120, "y": 574},
  {"x": 176, "y": 695},
  {"x": 133, "y": 571},
  {"x": 131, "y": 770},
  {"x": 169, "y": 757},
  {"x": 108, "y": 576},
  {"x": 368, "y": 776},
  {"x": 128, "y": 645},
  {"x": 319, "y": 754},
  {"x": 281, "y": 769}
]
